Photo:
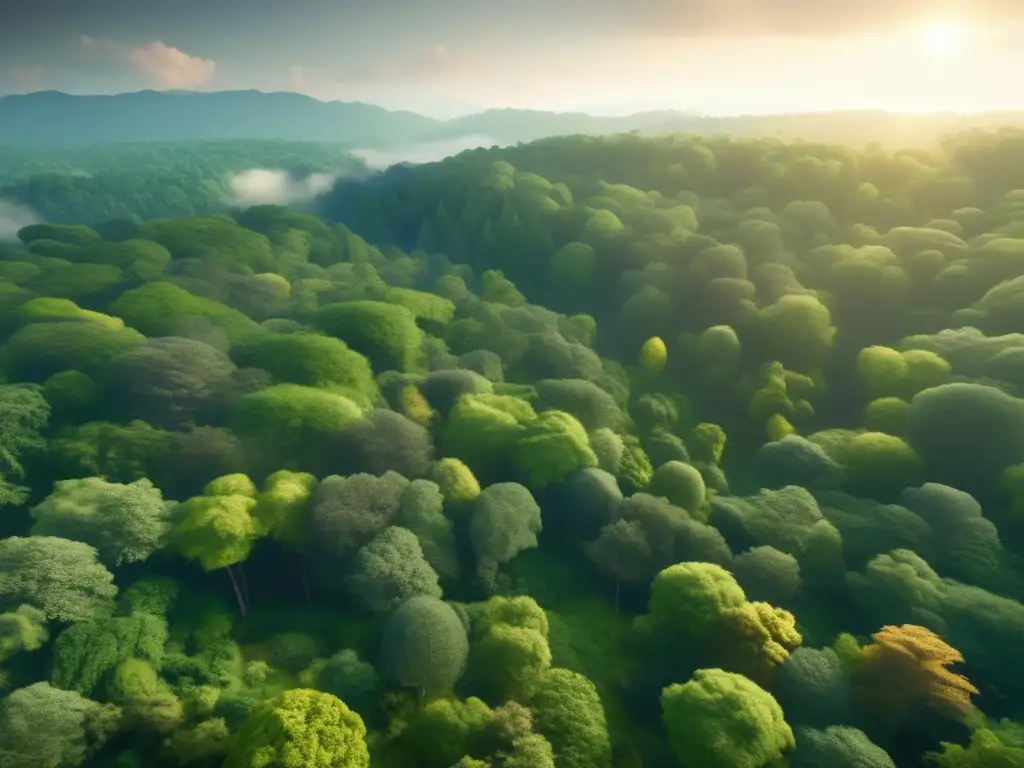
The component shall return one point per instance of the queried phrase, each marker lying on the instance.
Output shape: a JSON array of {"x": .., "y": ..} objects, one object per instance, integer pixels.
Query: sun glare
[{"x": 943, "y": 40}]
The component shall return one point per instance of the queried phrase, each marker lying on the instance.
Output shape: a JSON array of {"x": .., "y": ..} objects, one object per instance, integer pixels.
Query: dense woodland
[
  {"x": 606, "y": 452},
  {"x": 93, "y": 184}
]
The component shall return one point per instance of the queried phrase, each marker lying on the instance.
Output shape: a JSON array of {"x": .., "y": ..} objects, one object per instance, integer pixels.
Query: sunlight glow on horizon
[{"x": 944, "y": 40}]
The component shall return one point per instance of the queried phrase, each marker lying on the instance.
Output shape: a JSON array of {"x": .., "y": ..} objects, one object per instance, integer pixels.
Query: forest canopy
[{"x": 594, "y": 452}]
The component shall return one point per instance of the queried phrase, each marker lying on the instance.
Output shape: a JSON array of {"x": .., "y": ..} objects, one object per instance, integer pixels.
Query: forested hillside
[
  {"x": 610, "y": 452},
  {"x": 89, "y": 185},
  {"x": 49, "y": 118}
]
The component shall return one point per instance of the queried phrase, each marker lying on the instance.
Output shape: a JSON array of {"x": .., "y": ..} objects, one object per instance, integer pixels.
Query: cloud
[
  {"x": 426, "y": 152},
  {"x": 171, "y": 67},
  {"x": 12, "y": 218},
  {"x": 264, "y": 186},
  {"x": 163, "y": 65}
]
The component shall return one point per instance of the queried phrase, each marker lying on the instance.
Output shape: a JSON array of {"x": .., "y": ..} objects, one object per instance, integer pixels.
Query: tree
[
  {"x": 43, "y": 727},
  {"x": 146, "y": 701},
  {"x": 352, "y": 680},
  {"x": 310, "y": 360},
  {"x": 391, "y": 569},
  {"x": 23, "y": 629},
  {"x": 653, "y": 356},
  {"x": 568, "y": 712},
  {"x": 767, "y": 574},
  {"x": 386, "y": 333},
  {"x": 966, "y": 433},
  {"x": 506, "y": 520},
  {"x": 689, "y": 599},
  {"x": 424, "y": 646},
  {"x": 788, "y": 519},
  {"x": 283, "y": 507},
  {"x": 169, "y": 382},
  {"x": 23, "y": 413},
  {"x": 994, "y": 746},
  {"x": 348, "y": 512},
  {"x": 797, "y": 331},
  {"x": 385, "y": 441},
  {"x": 164, "y": 309},
  {"x": 507, "y": 660},
  {"x": 813, "y": 688},
  {"x": 87, "y": 651},
  {"x": 218, "y": 528},
  {"x": 39, "y": 350},
  {"x": 723, "y": 719},
  {"x": 443, "y": 731},
  {"x": 681, "y": 484},
  {"x": 422, "y": 512},
  {"x": 457, "y": 483},
  {"x": 906, "y": 667},
  {"x": 64, "y": 579},
  {"x": 282, "y": 424},
  {"x": 508, "y": 739},
  {"x": 443, "y": 388},
  {"x": 594, "y": 407},
  {"x": 125, "y": 523},
  {"x": 966, "y": 545},
  {"x": 482, "y": 429},
  {"x": 588, "y": 501},
  {"x": 300, "y": 728},
  {"x": 839, "y": 746},
  {"x": 623, "y": 553},
  {"x": 550, "y": 448}
]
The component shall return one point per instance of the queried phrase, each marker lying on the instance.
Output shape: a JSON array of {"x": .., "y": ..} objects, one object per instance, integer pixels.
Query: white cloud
[
  {"x": 162, "y": 64},
  {"x": 12, "y": 218},
  {"x": 264, "y": 186},
  {"x": 171, "y": 67},
  {"x": 426, "y": 152}
]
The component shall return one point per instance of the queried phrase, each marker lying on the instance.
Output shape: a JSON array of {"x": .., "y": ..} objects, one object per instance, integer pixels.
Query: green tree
[
  {"x": 391, "y": 569},
  {"x": 506, "y": 520},
  {"x": 218, "y": 528},
  {"x": 45, "y": 727},
  {"x": 300, "y": 728},
  {"x": 23, "y": 413},
  {"x": 125, "y": 523},
  {"x": 424, "y": 646},
  {"x": 568, "y": 712},
  {"x": 64, "y": 579},
  {"x": 723, "y": 719}
]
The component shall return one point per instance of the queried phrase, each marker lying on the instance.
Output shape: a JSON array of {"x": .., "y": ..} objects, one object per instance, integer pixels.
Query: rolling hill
[{"x": 50, "y": 118}]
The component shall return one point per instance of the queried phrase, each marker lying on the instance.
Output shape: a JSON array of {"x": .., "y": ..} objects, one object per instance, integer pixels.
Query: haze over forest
[{"x": 472, "y": 384}]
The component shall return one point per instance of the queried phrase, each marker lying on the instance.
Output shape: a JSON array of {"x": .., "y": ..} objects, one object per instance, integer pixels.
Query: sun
[{"x": 943, "y": 40}]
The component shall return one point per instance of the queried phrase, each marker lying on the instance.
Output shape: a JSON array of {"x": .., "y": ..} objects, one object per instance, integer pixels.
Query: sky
[{"x": 449, "y": 57}]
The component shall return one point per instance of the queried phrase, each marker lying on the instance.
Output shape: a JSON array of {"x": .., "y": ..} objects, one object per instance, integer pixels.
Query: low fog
[
  {"x": 261, "y": 186},
  {"x": 12, "y": 218},
  {"x": 426, "y": 152}
]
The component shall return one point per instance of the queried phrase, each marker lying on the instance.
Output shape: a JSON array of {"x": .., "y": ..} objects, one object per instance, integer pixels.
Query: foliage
[
  {"x": 300, "y": 727},
  {"x": 64, "y": 579},
  {"x": 424, "y": 645},
  {"x": 125, "y": 523},
  {"x": 447, "y": 429},
  {"x": 720, "y": 718}
]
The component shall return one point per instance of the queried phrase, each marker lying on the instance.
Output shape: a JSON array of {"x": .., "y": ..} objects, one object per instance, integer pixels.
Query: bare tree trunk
[
  {"x": 238, "y": 593},
  {"x": 245, "y": 583},
  {"x": 617, "y": 583}
]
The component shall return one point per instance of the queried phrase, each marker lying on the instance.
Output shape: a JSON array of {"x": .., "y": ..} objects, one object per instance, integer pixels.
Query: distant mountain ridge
[{"x": 54, "y": 118}]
